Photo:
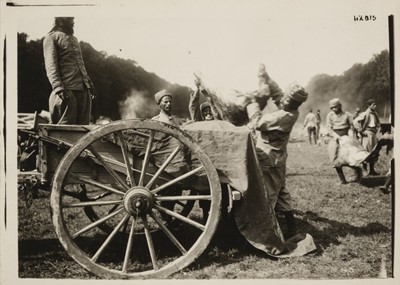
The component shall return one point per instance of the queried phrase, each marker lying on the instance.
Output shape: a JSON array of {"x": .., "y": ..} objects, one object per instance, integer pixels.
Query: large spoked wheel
[{"x": 148, "y": 184}]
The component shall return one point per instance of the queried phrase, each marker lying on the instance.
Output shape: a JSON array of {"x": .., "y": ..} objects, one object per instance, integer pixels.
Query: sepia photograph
[{"x": 208, "y": 141}]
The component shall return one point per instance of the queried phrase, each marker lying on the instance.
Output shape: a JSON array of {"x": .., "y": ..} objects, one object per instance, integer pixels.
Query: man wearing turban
[
  {"x": 164, "y": 101},
  {"x": 273, "y": 132},
  {"x": 70, "y": 102},
  {"x": 343, "y": 148}
]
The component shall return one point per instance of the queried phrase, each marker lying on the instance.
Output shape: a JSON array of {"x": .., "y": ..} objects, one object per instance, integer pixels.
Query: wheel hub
[{"x": 138, "y": 201}]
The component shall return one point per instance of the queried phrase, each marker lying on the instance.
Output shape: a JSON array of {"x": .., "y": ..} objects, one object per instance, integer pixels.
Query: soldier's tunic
[
  {"x": 162, "y": 117},
  {"x": 346, "y": 151},
  {"x": 272, "y": 139},
  {"x": 367, "y": 123},
  {"x": 66, "y": 72}
]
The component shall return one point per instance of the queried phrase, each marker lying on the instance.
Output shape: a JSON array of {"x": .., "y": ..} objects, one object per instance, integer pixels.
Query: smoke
[
  {"x": 354, "y": 87},
  {"x": 137, "y": 105}
]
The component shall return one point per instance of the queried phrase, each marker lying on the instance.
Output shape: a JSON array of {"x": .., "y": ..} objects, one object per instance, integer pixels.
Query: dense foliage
[
  {"x": 117, "y": 81},
  {"x": 125, "y": 89},
  {"x": 354, "y": 87}
]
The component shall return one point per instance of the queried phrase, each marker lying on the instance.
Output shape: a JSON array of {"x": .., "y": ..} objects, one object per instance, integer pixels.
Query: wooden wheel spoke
[
  {"x": 168, "y": 233},
  {"x": 163, "y": 166},
  {"x": 183, "y": 198},
  {"x": 95, "y": 224},
  {"x": 177, "y": 179},
  {"x": 180, "y": 217},
  {"x": 125, "y": 226},
  {"x": 95, "y": 183},
  {"x": 129, "y": 246},
  {"x": 116, "y": 162},
  {"x": 126, "y": 158},
  {"x": 150, "y": 243},
  {"x": 92, "y": 203},
  {"x": 109, "y": 160},
  {"x": 139, "y": 134},
  {"x": 108, "y": 167},
  {"x": 146, "y": 158},
  {"x": 109, "y": 238},
  {"x": 120, "y": 164}
]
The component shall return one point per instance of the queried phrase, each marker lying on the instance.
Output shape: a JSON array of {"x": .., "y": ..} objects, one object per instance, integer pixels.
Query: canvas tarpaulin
[
  {"x": 346, "y": 151},
  {"x": 232, "y": 151}
]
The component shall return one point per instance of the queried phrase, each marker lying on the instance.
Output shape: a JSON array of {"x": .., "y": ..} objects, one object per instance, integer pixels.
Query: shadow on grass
[
  {"x": 330, "y": 235},
  {"x": 296, "y": 140},
  {"x": 228, "y": 246},
  {"x": 32, "y": 249}
]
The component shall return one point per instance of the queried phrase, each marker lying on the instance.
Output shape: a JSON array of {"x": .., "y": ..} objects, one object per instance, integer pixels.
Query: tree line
[
  {"x": 115, "y": 79},
  {"x": 354, "y": 87},
  {"x": 118, "y": 79}
]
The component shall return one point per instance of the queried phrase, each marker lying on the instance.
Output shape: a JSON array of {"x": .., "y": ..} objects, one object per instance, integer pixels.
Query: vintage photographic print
[{"x": 199, "y": 140}]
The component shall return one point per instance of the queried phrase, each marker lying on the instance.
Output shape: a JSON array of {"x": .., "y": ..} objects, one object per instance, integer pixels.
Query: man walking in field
[
  {"x": 310, "y": 123},
  {"x": 272, "y": 138},
  {"x": 343, "y": 149},
  {"x": 318, "y": 122},
  {"x": 70, "y": 102},
  {"x": 367, "y": 125}
]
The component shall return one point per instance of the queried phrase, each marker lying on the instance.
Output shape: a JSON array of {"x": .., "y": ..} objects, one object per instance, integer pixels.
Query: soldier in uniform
[
  {"x": 273, "y": 132},
  {"x": 164, "y": 101},
  {"x": 367, "y": 125},
  {"x": 70, "y": 102},
  {"x": 206, "y": 111}
]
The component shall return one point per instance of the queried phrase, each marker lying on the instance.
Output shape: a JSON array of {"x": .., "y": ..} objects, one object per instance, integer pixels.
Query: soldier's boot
[
  {"x": 385, "y": 187},
  {"x": 291, "y": 224},
  {"x": 372, "y": 169},
  {"x": 358, "y": 174},
  {"x": 339, "y": 171}
]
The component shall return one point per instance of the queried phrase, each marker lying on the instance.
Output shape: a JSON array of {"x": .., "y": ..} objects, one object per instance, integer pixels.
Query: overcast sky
[{"x": 226, "y": 40}]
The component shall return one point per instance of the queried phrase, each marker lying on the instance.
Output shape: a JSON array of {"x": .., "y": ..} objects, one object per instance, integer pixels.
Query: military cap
[
  {"x": 334, "y": 102},
  {"x": 297, "y": 93},
  {"x": 160, "y": 94},
  {"x": 204, "y": 105}
]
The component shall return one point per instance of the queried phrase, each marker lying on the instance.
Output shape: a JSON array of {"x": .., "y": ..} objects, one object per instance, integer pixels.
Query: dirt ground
[{"x": 351, "y": 226}]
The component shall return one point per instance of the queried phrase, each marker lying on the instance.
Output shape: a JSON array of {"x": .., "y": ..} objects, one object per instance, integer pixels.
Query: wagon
[{"x": 129, "y": 199}]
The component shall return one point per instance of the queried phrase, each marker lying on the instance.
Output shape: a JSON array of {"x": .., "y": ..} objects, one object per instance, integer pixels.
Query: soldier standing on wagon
[{"x": 70, "y": 102}]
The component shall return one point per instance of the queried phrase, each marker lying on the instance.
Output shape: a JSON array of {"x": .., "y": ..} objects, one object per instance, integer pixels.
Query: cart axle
[{"x": 138, "y": 201}]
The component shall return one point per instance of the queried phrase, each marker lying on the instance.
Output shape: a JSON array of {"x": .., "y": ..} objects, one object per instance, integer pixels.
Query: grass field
[{"x": 351, "y": 226}]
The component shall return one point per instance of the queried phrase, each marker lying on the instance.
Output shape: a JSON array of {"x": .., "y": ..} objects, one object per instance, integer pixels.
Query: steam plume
[{"x": 137, "y": 105}]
